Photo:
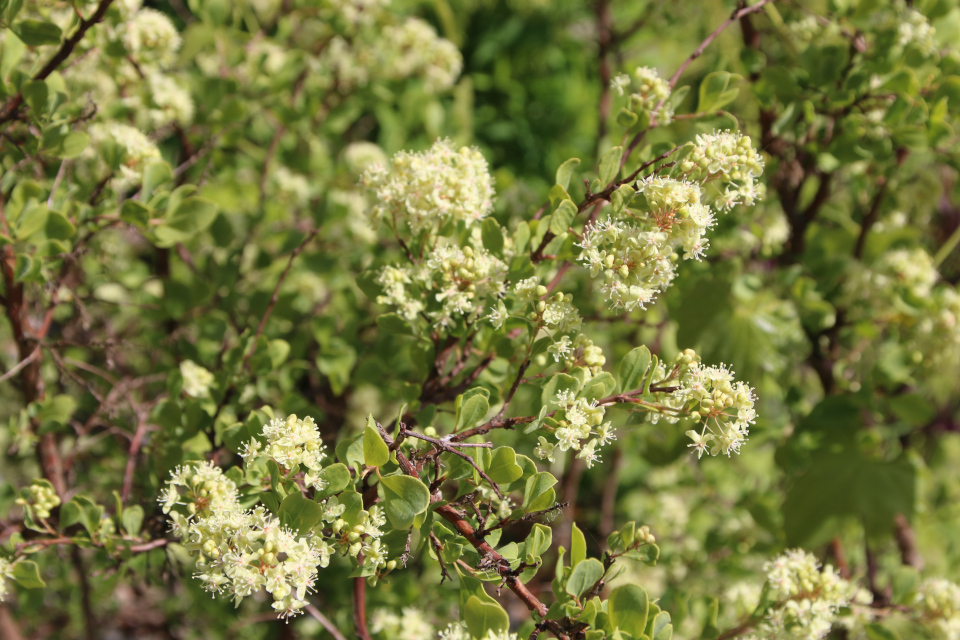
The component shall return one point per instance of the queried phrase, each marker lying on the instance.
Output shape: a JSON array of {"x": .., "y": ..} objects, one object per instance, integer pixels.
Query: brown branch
[
  {"x": 907, "y": 542},
  {"x": 360, "y": 605}
]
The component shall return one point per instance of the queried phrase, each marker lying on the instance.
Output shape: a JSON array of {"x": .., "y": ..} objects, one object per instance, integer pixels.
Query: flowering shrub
[{"x": 421, "y": 320}]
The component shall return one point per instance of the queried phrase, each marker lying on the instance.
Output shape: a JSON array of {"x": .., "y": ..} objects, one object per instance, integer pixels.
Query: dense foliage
[{"x": 479, "y": 319}]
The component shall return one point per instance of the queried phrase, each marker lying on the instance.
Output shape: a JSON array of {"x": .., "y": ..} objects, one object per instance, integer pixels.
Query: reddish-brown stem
[{"x": 360, "y": 606}]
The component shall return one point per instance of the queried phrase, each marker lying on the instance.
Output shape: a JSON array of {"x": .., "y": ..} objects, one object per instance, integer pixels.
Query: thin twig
[
  {"x": 20, "y": 365},
  {"x": 276, "y": 293},
  {"x": 324, "y": 622}
]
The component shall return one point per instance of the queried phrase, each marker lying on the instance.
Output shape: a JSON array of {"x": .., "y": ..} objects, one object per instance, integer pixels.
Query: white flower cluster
[
  {"x": 379, "y": 50},
  {"x": 428, "y": 189},
  {"x": 453, "y": 282},
  {"x": 910, "y": 273},
  {"x": 914, "y": 29},
  {"x": 637, "y": 251},
  {"x": 937, "y": 605},
  {"x": 708, "y": 394},
  {"x": 411, "y": 624},
  {"x": 937, "y": 334},
  {"x": 729, "y": 160},
  {"x": 637, "y": 255},
  {"x": 41, "y": 498},
  {"x": 6, "y": 571},
  {"x": 290, "y": 442},
  {"x": 808, "y": 597},
  {"x": 138, "y": 150},
  {"x": 652, "y": 90},
  {"x": 724, "y": 406},
  {"x": 580, "y": 426},
  {"x": 416, "y": 50},
  {"x": 240, "y": 551},
  {"x": 459, "y": 631},
  {"x": 151, "y": 36},
  {"x": 196, "y": 379}
]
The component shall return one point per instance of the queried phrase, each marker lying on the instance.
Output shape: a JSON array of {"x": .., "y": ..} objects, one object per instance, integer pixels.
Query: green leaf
[
  {"x": 578, "y": 545},
  {"x": 35, "y": 95},
  {"x": 394, "y": 324},
  {"x": 134, "y": 212},
  {"x": 56, "y": 411},
  {"x": 31, "y": 221},
  {"x": 58, "y": 227},
  {"x": 73, "y": 144},
  {"x": 537, "y": 488},
  {"x": 404, "y": 498},
  {"x": 565, "y": 172},
  {"x": 661, "y": 628},
  {"x": 299, "y": 513},
  {"x": 350, "y": 451},
  {"x": 562, "y": 217},
  {"x": 375, "y": 451},
  {"x": 492, "y": 236},
  {"x": 633, "y": 369},
  {"x": 27, "y": 575},
  {"x": 336, "y": 478},
  {"x": 621, "y": 198},
  {"x": 627, "y": 607},
  {"x": 714, "y": 93},
  {"x": 584, "y": 576},
  {"x": 35, "y": 33},
  {"x": 192, "y": 216},
  {"x": 610, "y": 165},
  {"x": 132, "y": 519},
  {"x": 156, "y": 173},
  {"x": 503, "y": 467},
  {"x": 484, "y": 616},
  {"x": 471, "y": 407},
  {"x": 626, "y": 118},
  {"x": 873, "y": 491}
]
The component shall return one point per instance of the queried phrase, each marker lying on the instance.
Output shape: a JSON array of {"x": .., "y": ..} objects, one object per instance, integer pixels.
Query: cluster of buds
[
  {"x": 40, "y": 497},
  {"x": 729, "y": 160},
  {"x": 577, "y": 425},
  {"x": 937, "y": 606},
  {"x": 557, "y": 311},
  {"x": 651, "y": 96},
  {"x": 425, "y": 190},
  {"x": 580, "y": 351}
]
